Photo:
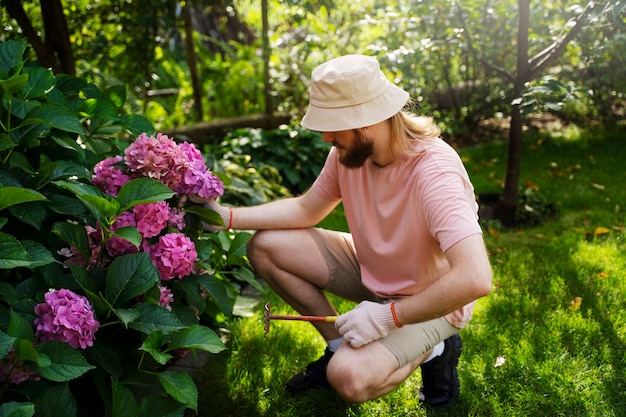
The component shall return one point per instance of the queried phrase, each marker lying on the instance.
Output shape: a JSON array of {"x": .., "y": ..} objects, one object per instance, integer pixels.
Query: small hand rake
[{"x": 268, "y": 317}]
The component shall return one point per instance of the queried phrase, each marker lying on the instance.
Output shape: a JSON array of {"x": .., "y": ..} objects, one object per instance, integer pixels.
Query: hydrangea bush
[{"x": 105, "y": 273}]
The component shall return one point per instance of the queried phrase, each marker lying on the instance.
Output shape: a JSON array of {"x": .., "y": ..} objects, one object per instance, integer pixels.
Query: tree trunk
[
  {"x": 57, "y": 35},
  {"x": 507, "y": 206},
  {"x": 190, "y": 52}
]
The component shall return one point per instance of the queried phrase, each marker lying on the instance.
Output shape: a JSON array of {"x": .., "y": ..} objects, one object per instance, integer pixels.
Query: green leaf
[
  {"x": 19, "y": 327},
  {"x": 153, "y": 344},
  {"x": 126, "y": 315},
  {"x": 25, "y": 351},
  {"x": 13, "y": 84},
  {"x": 10, "y": 196},
  {"x": 160, "y": 406},
  {"x": 218, "y": 291},
  {"x": 116, "y": 94},
  {"x": 108, "y": 358},
  {"x": 130, "y": 234},
  {"x": 12, "y": 253},
  {"x": 129, "y": 276},
  {"x": 11, "y": 56},
  {"x": 66, "y": 362},
  {"x": 57, "y": 116},
  {"x": 33, "y": 214},
  {"x": 55, "y": 401},
  {"x": 40, "y": 255},
  {"x": 6, "y": 342},
  {"x": 206, "y": 215},
  {"x": 136, "y": 124},
  {"x": 152, "y": 317},
  {"x": 15, "y": 409},
  {"x": 197, "y": 337},
  {"x": 6, "y": 142},
  {"x": 73, "y": 234},
  {"x": 141, "y": 191},
  {"x": 40, "y": 80},
  {"x": 181, "y": 387},
  {"x": 103, "y": 209},
  {"x": 124, "y": 403}
]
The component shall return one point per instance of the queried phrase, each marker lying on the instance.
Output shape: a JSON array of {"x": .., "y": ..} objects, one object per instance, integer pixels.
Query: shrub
[{"x": 105, "y": 274}]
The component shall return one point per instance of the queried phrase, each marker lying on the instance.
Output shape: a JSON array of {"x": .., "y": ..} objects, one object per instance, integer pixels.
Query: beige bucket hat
[{"x": 351, "y": 92}]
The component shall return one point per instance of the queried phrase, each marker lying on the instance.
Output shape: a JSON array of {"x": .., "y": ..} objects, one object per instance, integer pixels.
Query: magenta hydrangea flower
[
  {"x": 67, "y": 317},
  {"x": 174, "y": 255},
  {"x": 176, "y": 218},
  {"x": 196, "y": 178},
  {"x": 166, "y": 297},
  {"x": 108, "y": 177},
  {"x": 159, "y": 158},
  {"x": 116, "y": 245},
  {"x": 151, "y": 218}
]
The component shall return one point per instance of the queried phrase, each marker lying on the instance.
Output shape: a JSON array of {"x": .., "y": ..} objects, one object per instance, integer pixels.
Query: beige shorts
[{"x": 406, "y": 343}]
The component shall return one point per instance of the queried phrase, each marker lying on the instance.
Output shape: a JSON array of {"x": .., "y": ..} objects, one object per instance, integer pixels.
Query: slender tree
[{"x": 527, "y": 69}]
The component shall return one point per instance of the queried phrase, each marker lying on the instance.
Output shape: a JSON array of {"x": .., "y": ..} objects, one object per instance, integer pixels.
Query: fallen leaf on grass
[
  {"x": 575, "y": 304},
  {"x": 494, "y": 233},
  {"x": 601, "y": 231},
  {"x": 598, "y": 186}
]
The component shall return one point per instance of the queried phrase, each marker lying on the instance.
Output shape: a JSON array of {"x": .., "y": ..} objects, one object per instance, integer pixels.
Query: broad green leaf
[
  {"x": 116, "y": 94},
  {"x": 152, "y": 317},
  {"x": 12, "y": 253},
  {"x": 25, "y": 351},
  {"x": 32, "y": 213},
  {"x": 40, "y": 255},
  {"x": 129, "y": 276},
  {"x": 103, "y": 209},
  {"x": 40, "y": 80},
  {"x": 20, "y": 108},
  {"x": 66, "y": 362},
  {"x": 55, "y": 115},
  {"x": 206, "y": 215},
  {"x": 6, "y": 342},
  {"x": 153, "y": 344},
  {"x": 97, "y": 108},
  {"x": 129, "y": 233},
  {"x": 15, "y": 409},
  {"x": 73, "y": 234},
  {"x": 14, "y": 84},
  {"x": 55, "y": 401},
  {"x": 10, "y": 196},
  {"x": 197, "y": 337},
  {"x": 124, "y": 403},
  {"x": 67, "y": 169},
  {"x": 66, "y": 205},
  {"x": 108, "y": 358},
  {"x": 141, "y": 191},
  {"x": 137, "y": 124},
  {"x": 66, "y": 141},
  {"x": 181, "y": 387},
  {"x": 11, "y": 56},
  {"x": 126, "y": 315},
  {"x": 19, "y": 160},
  {"x": 6, "y": 142},
  {"x": 217, "y": 290},
  {"x": 20, "y": 327},
  {"x": 160, "y": 406}
]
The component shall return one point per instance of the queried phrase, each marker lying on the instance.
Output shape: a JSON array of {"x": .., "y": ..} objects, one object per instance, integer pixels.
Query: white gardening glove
[{"x": 366, "y": 323}]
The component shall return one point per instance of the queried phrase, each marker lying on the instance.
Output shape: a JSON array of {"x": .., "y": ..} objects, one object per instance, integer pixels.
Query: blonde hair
[{"x": 407, "y": 129}]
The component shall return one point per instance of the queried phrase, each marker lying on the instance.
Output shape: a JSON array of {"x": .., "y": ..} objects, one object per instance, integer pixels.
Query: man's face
[{"x": 353, "y": 147}]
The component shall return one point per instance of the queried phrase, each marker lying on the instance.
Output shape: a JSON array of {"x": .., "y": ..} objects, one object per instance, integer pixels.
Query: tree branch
[{"x": 540, "y": 61}]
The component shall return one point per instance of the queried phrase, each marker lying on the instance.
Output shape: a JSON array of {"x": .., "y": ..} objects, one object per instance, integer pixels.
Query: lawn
[{"x": 548, "y": 340}]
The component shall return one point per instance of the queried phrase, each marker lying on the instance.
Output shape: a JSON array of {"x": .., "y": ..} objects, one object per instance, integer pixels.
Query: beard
[{"x": 362, "y": 148}]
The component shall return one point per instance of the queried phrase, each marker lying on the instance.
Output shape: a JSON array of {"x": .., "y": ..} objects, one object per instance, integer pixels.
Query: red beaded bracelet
[
  {"x": 230, "y": 219},
  {"x": 393, "y": 314}
]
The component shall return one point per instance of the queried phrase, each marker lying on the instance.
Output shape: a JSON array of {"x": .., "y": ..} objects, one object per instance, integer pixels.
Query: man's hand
[{"x": 366, "y": 323}]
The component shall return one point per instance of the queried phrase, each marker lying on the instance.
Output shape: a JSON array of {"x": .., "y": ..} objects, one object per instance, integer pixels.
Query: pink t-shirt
[{"x": 404, "y": 216}]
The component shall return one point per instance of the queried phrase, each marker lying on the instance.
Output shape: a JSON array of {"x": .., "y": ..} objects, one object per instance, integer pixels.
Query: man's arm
[
  {"x": 303, "y": 211},
  {"x": 468, "y": 279}
]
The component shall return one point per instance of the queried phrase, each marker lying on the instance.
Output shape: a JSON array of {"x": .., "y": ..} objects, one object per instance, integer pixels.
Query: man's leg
[{"x": 291, "y": 263}]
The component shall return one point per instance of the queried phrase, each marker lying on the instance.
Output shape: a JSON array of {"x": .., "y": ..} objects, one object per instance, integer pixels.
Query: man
[{"x": 415, "y": 260}]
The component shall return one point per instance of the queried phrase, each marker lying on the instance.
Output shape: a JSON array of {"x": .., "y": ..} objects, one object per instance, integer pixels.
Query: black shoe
[
  {"x": 440, "y": 378},
  {"x": 313, "y": 378}
]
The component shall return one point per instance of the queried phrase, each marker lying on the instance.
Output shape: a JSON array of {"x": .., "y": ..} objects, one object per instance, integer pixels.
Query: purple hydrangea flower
[
  {"x": 67, "y": 317},
  {"x": 174, "y": 255},
  {"x": 109, "y": 178}
]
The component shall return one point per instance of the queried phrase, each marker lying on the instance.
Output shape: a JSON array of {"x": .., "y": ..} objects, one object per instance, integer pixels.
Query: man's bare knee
[{"x": 348, "y": 383}]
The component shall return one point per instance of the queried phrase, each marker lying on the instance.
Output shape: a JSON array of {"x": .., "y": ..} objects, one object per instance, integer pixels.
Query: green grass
[{"x": 530, "y": 350}]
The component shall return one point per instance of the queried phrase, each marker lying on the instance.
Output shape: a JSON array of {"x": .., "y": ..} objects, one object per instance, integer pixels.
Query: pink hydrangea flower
[
  {"x": 67, "y": 317},
  {"x": 116, "y": 245},
  {"x": 151, "y": 218},
  {"x": 108, "y": 177},
  {"x": 159, "y": 158},
  {"x": 166, "y": 297},
  {"x": 174, "y": 255},
  {"x": 15, "y": 372},
  {"x": 196, "y": 178}
]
